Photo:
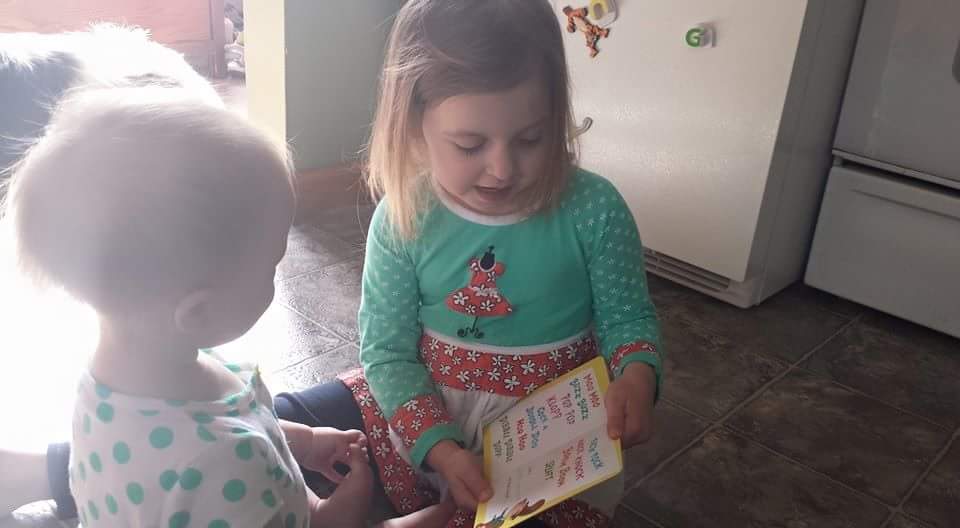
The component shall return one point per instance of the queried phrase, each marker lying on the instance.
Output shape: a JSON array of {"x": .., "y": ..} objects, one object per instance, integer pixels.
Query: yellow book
[{"x": 549, "y": 447}]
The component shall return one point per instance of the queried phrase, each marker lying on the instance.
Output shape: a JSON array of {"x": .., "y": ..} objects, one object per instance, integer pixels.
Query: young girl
[
  {"x": 168, "y": 217},
  {"x": 493, "y": 264}
]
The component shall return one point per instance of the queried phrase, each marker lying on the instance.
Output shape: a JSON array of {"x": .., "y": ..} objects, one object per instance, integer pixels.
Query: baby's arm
[
  {"x": 349, "y": 504},
  {"x": 319, "y": 448},
  {"x": 436, "y": 516}
]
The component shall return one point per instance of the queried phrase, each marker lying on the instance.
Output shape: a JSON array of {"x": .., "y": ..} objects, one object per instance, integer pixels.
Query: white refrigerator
[
  {"x": 889, "y": 229},
  {"x": 721, "y": 150}
]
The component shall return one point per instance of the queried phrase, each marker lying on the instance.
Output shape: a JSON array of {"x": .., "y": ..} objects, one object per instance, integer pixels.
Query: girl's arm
[
  {"x": 390, "y": 332},
  {"x": 625, "y": 318}
]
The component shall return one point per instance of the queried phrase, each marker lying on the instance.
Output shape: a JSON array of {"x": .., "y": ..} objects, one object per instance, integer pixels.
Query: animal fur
[{"x": 36, "y": 70}]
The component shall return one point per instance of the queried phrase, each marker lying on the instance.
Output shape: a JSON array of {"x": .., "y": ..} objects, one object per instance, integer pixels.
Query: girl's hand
[
  {"x": 629, "y": 404},
  {"x": 329, "y": 446},
  {"x": 463, "y": 473}
]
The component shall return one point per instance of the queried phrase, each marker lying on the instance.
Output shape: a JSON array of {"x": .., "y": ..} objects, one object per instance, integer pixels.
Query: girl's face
[{"x": 485, "y": 150}]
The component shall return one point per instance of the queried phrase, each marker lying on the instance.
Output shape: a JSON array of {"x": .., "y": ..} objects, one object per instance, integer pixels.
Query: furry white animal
[{"x": 37, "y": 69}]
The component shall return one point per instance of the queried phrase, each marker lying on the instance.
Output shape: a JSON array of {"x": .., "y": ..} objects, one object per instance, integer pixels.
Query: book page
[{"x": 550, "y": 446}]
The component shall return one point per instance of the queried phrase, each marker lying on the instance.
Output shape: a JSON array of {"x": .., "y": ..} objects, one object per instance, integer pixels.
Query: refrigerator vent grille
[{"x": 684, "y": 273}]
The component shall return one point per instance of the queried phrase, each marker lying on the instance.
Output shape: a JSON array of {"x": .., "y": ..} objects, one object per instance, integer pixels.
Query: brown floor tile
[
  {"x": 937, "y": 500},
  {"x": 348, "y": 223},
  {"x": 673, "y": 429},
  {"x": 310, "y": 249},
  {"x": 329, "y": 297},
  {"x": 784, "y": 326},
  {"x": 316, "y": 370},
  {"x": 281, "y": 338},
  {"x": 727, "y": 480},
  {"x": 902, "y": 521},
  {"x": 824, "y": 300},
  {"x": 852, "y": 438},
  {"x": 899, "y": 362},
  {"x": 624, "y": 518},
  {"x": 709, "y": 374}
]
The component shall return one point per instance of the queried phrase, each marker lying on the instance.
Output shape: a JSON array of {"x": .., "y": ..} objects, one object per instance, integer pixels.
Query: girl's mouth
[{"x": 493, "y": 193}]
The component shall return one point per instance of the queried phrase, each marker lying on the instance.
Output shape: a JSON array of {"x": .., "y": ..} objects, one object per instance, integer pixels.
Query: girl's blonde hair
[{"x": 442, "y": 48}]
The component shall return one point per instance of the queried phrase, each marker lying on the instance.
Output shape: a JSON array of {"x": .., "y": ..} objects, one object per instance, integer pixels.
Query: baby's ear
[{"x": 194, "y": 313}]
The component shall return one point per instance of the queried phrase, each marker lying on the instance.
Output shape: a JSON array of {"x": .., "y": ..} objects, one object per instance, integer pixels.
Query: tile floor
[{"x": 807, "y": 411}]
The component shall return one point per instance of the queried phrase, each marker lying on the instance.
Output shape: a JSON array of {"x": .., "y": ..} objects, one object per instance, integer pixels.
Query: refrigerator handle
[
  {"x": 956, "y": 64},
  {"x": 582, "y": 129}
]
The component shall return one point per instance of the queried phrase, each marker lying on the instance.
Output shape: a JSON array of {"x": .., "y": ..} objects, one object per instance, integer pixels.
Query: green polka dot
[
  {"x": 244, "y": 450},
  {"x": 190, "y": 479},
  {"x": 149, "y": 412},
  {"x": 205, "y": 434},
  {"x": 233, "y": 367},
  {"x": 291, "y": 521},
  {"x": 219, "y": 523},
  {"x": 161, "y": 437},
  {"x": 86, "y": 423},
  {"x": 105, "y": 412},
  {"x": 121, "y": 452},
  {"x": 112, "y": 505},
  {"x": 94, "y": 512},
  {"x": 169, "y": 479},
  {"x": 176, "y": 403},
  {"x": 103, "y": 391},
  {"x": 233, "y": 414},
  {"x": 232, "y": 400},
  {"x": 82, "y": 470},
  {"x": 234, "y": 490},
  {"x": 278, "y": 473},
  {"x": 239, "y": 430},
  {"x": 179, "y": 520},
  {"x": 202, "y": 418},
  {"x": 269, "y": 499},
  {"x": 95, "y": 463},
  {"x": 135, "y": 493},
  {"x": 253, "y": 405}
]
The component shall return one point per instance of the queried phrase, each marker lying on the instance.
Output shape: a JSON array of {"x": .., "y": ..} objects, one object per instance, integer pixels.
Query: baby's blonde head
[
  {"x": 442, "y": 48},
  {"x": 139, "y": 194}
]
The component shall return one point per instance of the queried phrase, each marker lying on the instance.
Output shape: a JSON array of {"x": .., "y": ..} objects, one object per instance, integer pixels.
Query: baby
[{"x": 168, "y": 216}]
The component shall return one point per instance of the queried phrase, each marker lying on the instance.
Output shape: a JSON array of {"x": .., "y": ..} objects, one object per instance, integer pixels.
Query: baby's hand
[
  {"x": 630, "y": 405},
  {"x": 329, "y": 446},
  {"x": 463, "y": 473},
  {"x": 349, "y": 504}
]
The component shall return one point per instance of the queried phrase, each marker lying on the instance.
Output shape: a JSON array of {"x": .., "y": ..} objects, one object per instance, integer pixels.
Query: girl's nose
[{"x": 501, "y": 165}]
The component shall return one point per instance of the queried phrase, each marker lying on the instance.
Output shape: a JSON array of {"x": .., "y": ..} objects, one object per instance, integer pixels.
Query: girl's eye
[
  {"x": 471, "y": 150},
  {"x": 530, "y": 141}
]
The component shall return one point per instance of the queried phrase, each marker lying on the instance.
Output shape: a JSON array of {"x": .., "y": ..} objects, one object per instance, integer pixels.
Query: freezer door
[
  {"x": 688, "y": 133},
  {"x": 902, "y": 105}
]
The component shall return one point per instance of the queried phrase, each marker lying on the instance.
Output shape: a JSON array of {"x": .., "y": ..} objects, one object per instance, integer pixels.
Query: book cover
[{"x": 550, "y": 446}]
